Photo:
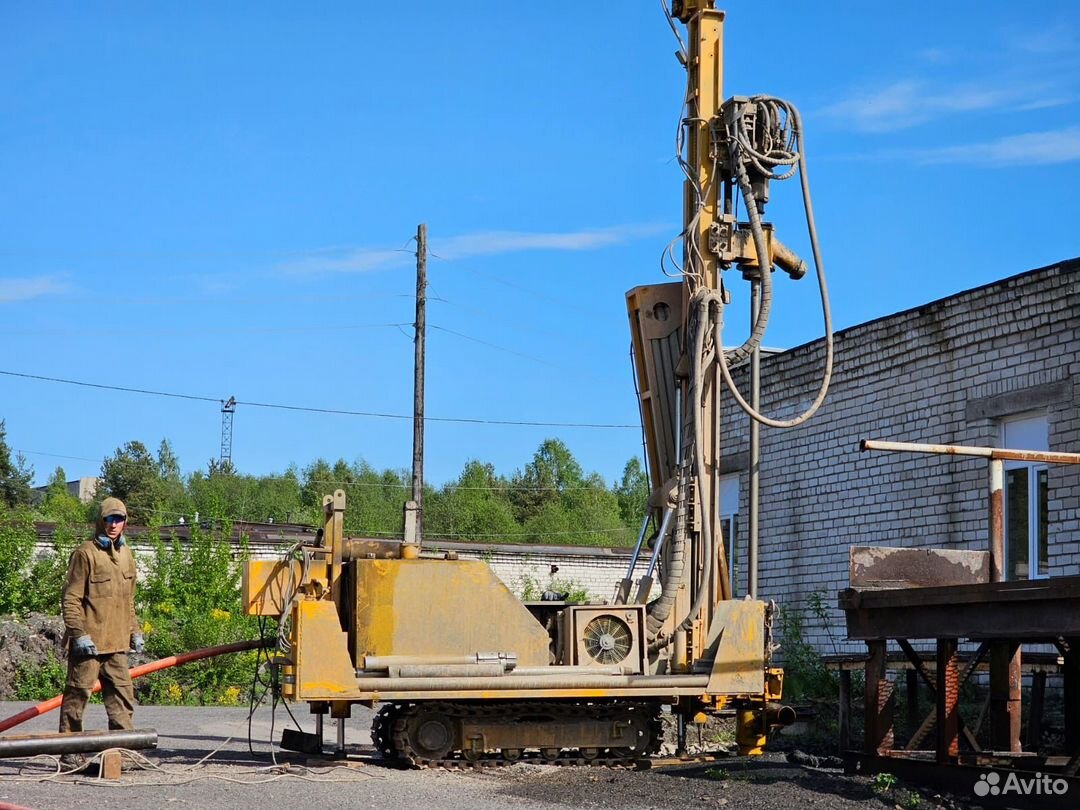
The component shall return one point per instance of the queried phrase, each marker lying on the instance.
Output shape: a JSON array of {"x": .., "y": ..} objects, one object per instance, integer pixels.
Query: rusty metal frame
[{"x": 1001, "y": 615}]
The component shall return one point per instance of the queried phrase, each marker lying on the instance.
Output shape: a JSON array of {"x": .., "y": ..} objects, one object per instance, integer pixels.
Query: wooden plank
[{"x": 112, "y": 765}]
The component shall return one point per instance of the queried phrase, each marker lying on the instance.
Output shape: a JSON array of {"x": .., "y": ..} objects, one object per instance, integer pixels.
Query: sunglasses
[{"x": 115, "y": 519}]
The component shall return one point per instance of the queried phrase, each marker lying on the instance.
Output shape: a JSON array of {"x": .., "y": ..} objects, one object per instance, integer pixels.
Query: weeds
[
  {"x": 40, "y": 682},
  {"x": 805, "y": 674},
  {"x": 530, "y": 589},
  {"x": 191, "y": 600}
]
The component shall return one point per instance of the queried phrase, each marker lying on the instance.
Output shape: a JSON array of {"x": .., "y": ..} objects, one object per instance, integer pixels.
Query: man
[{"x": 99, "y": 618}]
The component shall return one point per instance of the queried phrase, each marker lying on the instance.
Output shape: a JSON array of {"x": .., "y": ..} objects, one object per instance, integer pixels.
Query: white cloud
[
  {"x": 489, "y": 243},
  {"x": 909, "y": 102},
  {"x": 25, "y": 289},
  {"x": 359, "y": 260},
  {"x": 483, "y": 243},
  {"x": 1058, "y": 39},
  {"x": 1029, "y": 149}
]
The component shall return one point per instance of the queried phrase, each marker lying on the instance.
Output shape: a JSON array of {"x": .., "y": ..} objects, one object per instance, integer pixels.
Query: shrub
[
  {"x": 191, "y": 600},
  {"x": 40, "y": 681},
  {"x": 805, "y": 673}
]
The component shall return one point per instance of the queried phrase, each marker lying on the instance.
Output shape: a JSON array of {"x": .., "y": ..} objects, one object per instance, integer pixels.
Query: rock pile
[{"x": 27, "y": 642}]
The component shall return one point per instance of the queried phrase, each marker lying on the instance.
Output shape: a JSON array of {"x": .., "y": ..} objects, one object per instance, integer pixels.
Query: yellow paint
[
  {"x": 736, "y": 644},
  {"x": 264, "y": 584},
  {"x": 321, "y": 655},
  {"x": 441, "y": 607},
  {"x": 749, "y": 732}
]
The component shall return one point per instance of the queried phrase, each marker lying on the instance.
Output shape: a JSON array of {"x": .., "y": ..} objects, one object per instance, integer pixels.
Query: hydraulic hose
[
  {"x": 705, "y": 302},
  {"x": 139, "y": 671},
  {"x": 799, "y": 159}
]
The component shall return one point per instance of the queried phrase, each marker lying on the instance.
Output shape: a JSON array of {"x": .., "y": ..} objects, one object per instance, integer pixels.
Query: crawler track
[{"x": 454, "y": 735}]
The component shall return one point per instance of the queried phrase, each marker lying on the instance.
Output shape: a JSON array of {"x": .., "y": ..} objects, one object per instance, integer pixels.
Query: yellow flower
[
  {"x": 230, "y": 697},
  {"x": 219, "y": 615},
  {"x": 175, "y": 692},
  {"x": 147, "y": 628}
]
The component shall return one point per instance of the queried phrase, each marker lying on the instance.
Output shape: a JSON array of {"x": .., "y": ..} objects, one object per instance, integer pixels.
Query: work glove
[
  {"x": 137, "y": 643},
  {"x": 84, "y": 647}
]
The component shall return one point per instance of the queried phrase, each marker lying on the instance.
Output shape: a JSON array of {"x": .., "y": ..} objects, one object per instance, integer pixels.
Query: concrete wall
[{"x": 948, "y": 372}]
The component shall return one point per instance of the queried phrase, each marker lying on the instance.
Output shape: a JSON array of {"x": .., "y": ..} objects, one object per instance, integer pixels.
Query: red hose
[{"x": 142, "y": 669}]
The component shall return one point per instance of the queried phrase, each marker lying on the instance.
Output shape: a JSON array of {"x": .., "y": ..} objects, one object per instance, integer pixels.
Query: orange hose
[{"x": 142, "y": 669}]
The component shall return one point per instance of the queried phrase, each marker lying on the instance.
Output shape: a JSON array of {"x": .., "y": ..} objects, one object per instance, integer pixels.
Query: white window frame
[
  {"x": 729, "y": 522},
  {"x": 1034, "y": 436}
]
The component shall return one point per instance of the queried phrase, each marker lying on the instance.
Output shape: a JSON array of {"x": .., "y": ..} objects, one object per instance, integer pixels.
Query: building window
[
  {"x": 1027, "y": 547},
  {"x": 729, "y": 523}
]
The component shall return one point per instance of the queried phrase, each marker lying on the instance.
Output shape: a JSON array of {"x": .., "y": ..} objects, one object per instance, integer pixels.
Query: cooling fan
[
  {"x": 606, "y": 636},
  {"x": 607, "y": 640}
]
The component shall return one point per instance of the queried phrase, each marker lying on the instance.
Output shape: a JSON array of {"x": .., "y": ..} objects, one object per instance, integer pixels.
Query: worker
[{"x": 99, "y": 619}]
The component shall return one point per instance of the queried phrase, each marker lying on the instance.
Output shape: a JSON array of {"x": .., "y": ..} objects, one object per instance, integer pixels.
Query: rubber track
[{"x": 394, "y": 719}]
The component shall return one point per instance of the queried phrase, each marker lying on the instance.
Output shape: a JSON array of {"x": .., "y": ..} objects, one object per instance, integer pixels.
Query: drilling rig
[{"x": 468, "y": 675}]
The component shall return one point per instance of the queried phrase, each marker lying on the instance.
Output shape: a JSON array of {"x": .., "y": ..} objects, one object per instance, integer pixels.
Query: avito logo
[{"x": 1041, "y": 784}]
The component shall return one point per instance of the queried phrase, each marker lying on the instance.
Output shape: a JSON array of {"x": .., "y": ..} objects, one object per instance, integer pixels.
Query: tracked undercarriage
[{"x": 468, "y": 734}]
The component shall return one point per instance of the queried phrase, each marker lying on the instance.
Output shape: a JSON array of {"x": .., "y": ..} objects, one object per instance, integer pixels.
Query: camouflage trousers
[{"x": 116, "y": 690}]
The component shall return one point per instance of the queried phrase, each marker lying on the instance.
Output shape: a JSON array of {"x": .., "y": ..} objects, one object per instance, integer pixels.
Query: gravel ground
[{"x": 233, "y": 776}]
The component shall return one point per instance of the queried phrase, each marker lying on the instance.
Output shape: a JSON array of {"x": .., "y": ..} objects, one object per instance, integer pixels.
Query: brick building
[{"x": 998, "y": 365}]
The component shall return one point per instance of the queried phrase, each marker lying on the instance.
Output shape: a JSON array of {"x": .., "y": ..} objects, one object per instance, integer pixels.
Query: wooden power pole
[{"x": 414, "y": 509}]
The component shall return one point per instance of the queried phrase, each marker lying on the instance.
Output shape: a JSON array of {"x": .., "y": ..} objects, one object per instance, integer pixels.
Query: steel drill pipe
[
  {"x": 511, "y": 681},
  {"x": 76, "y": 742},
  {"x": 136, "y": 672}
]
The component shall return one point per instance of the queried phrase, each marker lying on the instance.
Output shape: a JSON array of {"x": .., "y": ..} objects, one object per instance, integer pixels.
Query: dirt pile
[{"x": 28, "y": 643}]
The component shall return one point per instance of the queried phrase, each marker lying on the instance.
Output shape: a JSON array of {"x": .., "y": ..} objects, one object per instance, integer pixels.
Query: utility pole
[
  {"x": 227, "y": 410},
  {"x": 414, "y": 509}
]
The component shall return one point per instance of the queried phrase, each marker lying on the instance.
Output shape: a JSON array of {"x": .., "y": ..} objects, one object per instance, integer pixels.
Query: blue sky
[{"x": 218, "y": 200}]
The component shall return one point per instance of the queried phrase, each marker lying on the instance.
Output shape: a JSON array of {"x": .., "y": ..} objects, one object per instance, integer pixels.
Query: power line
[
  {"x": 492, "y": 345},
  {"x": 308, "y": 409},
  {"x": 157, "y": 330},
  {"x": 54, "y": 455}
]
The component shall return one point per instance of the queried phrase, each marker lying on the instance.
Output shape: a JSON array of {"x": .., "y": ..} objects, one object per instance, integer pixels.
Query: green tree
[
  {"x": 17, "y": 536},
  {"x": 375, "y": 500},
  {"x": 133, "y": 476},
  {"x": 174, "y": 501},
  {"x": 224, "y": 495},
  {"x": 15, "y": 476},
  {"x": 60, "y": 506},
  {"x": 552, "y": 472},
  {"x": 475, "y": 506},
  {"x": 632, "y": 492},
  {"x": 189, "y": 600},
  {"x": 556, "y": 502}
]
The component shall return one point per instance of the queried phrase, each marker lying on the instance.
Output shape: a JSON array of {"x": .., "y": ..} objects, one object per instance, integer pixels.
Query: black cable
[{"x": 338, "y": 411}]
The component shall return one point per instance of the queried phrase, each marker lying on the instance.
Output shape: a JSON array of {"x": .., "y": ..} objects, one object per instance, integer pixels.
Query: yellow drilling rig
[{"x": 465, "y": 673}]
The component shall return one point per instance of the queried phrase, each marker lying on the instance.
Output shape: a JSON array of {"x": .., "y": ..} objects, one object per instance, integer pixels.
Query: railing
[{"x": 996, "y": 456}]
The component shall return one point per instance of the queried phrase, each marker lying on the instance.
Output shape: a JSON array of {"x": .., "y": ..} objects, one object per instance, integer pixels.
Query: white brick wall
[{"x": 925, "y": 375}]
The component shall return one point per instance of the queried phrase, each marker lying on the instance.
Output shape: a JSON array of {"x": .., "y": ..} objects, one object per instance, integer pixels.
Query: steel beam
[
  {"x": 877, "y": 701},
  {"x": 1023, "y": 610},
  {"x": 1005, "y": 698},
  {"x": 948, "y": 698},
  {"x": 76, "y": 742}
]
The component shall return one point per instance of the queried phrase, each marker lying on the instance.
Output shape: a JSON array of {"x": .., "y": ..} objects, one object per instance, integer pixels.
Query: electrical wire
[
  {"x": 203, "y": 330},
  {"x": 335, "y": 411}
]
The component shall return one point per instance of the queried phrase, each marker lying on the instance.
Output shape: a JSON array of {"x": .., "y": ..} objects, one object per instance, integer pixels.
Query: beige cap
[{"x": 113, "y": 506}]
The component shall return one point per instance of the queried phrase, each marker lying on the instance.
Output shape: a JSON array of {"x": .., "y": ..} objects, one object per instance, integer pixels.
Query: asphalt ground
[{"x": 203, "y": 761}]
